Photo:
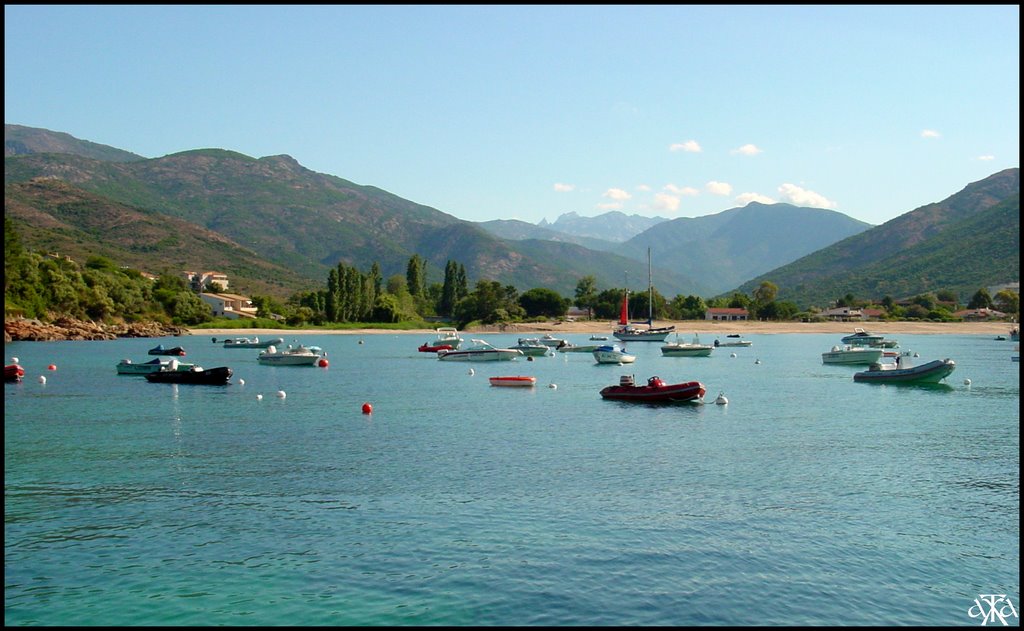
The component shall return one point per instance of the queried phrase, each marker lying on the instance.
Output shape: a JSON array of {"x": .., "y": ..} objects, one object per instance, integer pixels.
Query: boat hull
[
  {"x": 126, "y": 367},
  {"x": 860, "y": 356},
  {"x": 643, "y": 335},
  {"x": 289, "y": 360},
  {"x": 665, "y": 393},
  {"x": 493, "y": 355},
  {"x": 612, "y": 355},
  {"x": 176, "y": 351},
  {"x": 931, "y": 372},
  {"x": 13, "y": 372},
  {"x": 686, "y": 350},
  {"x": 513, "y": 382},
  {"x": 246, "y": 343},
  {"x": 210, "y": 377}
]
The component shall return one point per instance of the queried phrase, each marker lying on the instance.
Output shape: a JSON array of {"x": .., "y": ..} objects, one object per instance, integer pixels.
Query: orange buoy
[
  {"x": 323, "y": 363},
  {"x": 367, "y": 408},
  {"x": 52, "y": 367}
]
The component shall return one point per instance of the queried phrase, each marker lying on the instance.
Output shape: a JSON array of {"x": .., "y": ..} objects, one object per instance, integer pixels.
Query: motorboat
[
  {"x": 447, "y": 336},
  {"x": 613, "y": 354},
  {"x": 127, "y": 367},
  {"x": 552, "y": 341},
  {"x": 13, "y": 372},
  {"x": 655, "y": 391},
  {"x": 598, "y": 338},
  {"x": 194, "y": 376},
  {"x": 687, "y": 349},
  {"x": 255, "y": 342},
  {"x": 429, "y": 347},
  {"x": 930, "y": 372},
  {"x": 159, "y": 349},
  {"x": 862, "y": 338},
  {"x": 292, "y": 356},
  {"x": 848, "y": 354},
  {"x": 480, "y": 351},
  {"x": 532, "y": 347},
  {"x": 513, "y": 382},
  {"x": 627, "y": 332},
  {"x": 578, "y": 348},
  {"x": 733, "y": 342}
]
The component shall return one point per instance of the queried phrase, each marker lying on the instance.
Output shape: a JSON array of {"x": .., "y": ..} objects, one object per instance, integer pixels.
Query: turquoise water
[{"x": 808, "y": 500}]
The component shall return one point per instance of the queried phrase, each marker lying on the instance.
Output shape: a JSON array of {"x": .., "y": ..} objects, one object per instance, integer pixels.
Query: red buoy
[
  {"x": 367, "y": 408},
  {"x": 323, "y": 363},
  {"x": 52, "y": 367}
]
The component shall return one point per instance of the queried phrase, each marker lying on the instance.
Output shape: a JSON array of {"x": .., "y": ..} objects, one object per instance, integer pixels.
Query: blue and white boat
[{"x": 613, "y": 354}]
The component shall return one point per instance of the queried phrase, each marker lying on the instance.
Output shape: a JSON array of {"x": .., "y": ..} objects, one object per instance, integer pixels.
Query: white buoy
[
  {"x": 281, "y": 394},
  {"x": 42, "y": 378},
  {"x": 732, "y": 354},
  {"x": 757, "y": 361},
  {"x": 14, "y": 360},
  {"x": 967, "y": 382},
  {"x": 472, "y": 372},
  {"x": 917, "y": 354},
  {"x": 241, "y": 382},
  {"x": 721, "y": 400},
  {"x": 553, "y": 386},
  {"x": 259, "y": 397}
]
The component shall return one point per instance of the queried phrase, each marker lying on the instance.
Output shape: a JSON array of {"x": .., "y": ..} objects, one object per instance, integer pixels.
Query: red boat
[
  {"x": 13, "y": 372},
  {"x": 427, "y": 348},
  {"x": 656, "y": 391}
]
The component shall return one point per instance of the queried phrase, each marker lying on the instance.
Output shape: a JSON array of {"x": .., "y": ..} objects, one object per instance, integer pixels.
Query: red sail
[{"x": 623, "y": 315}]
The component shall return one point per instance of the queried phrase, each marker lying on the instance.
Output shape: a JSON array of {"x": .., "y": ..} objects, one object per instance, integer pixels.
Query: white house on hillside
[{"x": 230, "y": 306}]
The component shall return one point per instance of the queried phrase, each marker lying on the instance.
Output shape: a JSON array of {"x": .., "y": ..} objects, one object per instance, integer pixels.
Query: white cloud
[
  {"x": 747, "y": 150},
  {"x": 718, "y": 188},
  {"x": 681, "y": 190},
  {"x": 664, "y": 201},
  {"x": 690, "y": 146},
  {"x": 930, "y": 133},
  {"x": 643, "y": 188},
  {"x": 564, "y": 188},
  {"x": 985, "y": 158},
  {"x": 803, "y": 197},
  {"x": 745, "y": 198},
  {"x": 617, "y": 194}
]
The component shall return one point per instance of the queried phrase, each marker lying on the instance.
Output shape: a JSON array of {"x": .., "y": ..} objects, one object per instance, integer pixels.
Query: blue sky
[{"x": 527, "y": 112}]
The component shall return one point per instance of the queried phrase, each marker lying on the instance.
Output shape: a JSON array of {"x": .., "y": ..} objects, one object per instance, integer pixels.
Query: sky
[{"x": 530, "y": 111}]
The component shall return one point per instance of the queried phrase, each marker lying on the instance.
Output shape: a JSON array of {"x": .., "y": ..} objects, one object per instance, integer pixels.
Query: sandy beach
[{"x": 684, "y": 328}]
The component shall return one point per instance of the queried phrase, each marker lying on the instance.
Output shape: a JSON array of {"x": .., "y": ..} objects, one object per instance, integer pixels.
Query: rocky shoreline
[{"x": 65, "y": 329}]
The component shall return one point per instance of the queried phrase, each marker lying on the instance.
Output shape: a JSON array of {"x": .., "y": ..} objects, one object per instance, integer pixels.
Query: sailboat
[{"x": 625, "y": 331}]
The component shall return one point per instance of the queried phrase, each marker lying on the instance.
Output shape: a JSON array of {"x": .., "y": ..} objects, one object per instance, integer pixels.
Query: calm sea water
[{"x": 808, "y": 499}]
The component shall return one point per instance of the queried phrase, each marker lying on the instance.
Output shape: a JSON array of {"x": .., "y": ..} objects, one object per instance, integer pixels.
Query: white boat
[
  {"x": 687, "y": 349},
  {"x": 743, "y": 343},
  {"x": 292, "y": 356},
  {"x": 930, "y": 372},
  {"x": 126, "y": 367},
  {"x": 860, "y": 337},
  {"x": 447, "y": 335},
  {"x": 848, "y": 354},
  {"x": 551, "y": 340},
  {"x": 532, "y": 347},
  {"x": 578, "y": 348},
  {"x": 245, "y": 342},
  {"x": 613, "y": 354},
  {"x": 626, "y": 332},
  {"x": 480, "y": 351}
]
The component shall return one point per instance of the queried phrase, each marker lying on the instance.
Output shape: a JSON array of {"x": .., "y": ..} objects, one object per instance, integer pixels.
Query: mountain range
[{"x": 276, "y": 227}]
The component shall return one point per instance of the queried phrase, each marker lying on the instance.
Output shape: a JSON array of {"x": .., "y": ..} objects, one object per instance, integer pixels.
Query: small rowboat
[{"x": 519, "y": 381}]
